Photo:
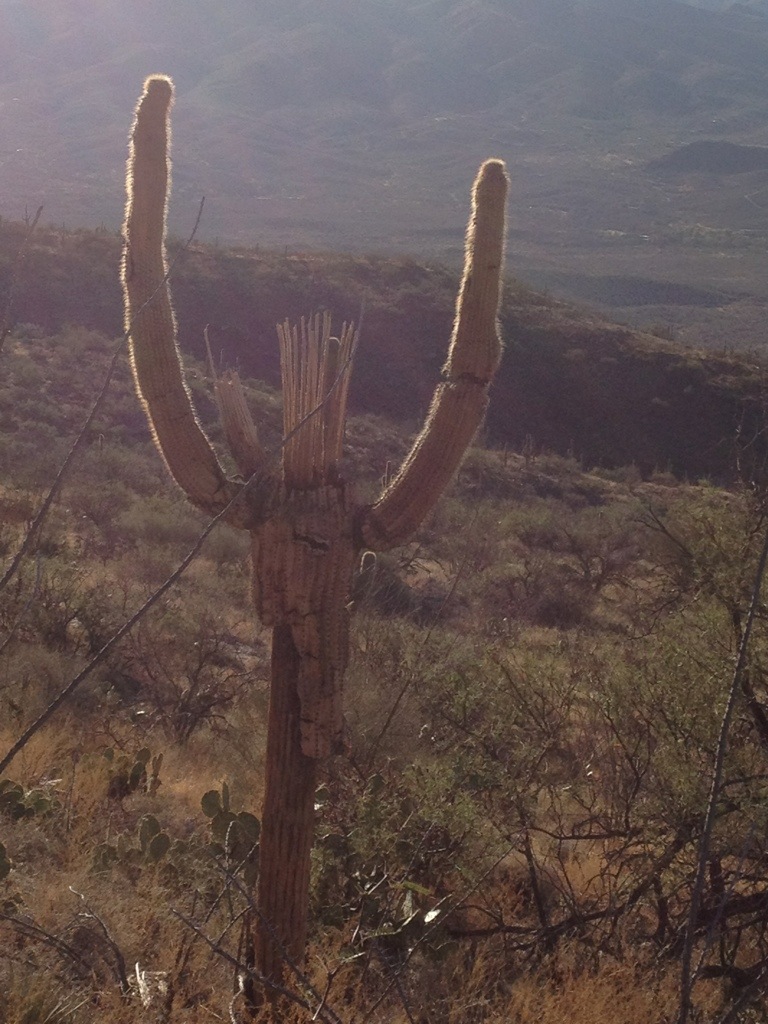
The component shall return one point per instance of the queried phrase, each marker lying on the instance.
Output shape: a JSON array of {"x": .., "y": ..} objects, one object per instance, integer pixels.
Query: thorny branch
[
  {"x": 686, "y": 979},
  {"x": 120, "y": 966},
  {"x": 23, "y": 613}
]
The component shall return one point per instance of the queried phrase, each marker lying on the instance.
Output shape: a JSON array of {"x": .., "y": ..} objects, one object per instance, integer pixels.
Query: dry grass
[{"x": 612, "y": 994}]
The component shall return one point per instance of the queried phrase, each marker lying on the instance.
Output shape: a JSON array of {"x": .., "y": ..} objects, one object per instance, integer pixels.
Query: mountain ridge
[{"x": 570, "y": 381}]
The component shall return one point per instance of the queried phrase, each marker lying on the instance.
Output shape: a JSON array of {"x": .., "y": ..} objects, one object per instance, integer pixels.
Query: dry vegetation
[{"x": 533, "y": 707}]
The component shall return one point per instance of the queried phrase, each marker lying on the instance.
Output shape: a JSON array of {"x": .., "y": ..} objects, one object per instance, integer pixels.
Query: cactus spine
[{"x": 306, "y": 529}]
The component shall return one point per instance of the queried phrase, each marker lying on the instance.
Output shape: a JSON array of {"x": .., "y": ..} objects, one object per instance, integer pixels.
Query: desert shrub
[
  {"x": 664, "y": 478},
  {"x": 603, "y": 546},
  {"x": 582, "y": 760},
  {"x": 102, "y": 507},
  {"x": 227, "y": 547},
  {"x": 489, "y": 474},
  {"x": 161, "y": 520},
  {"x": 464, "y": 540},
  {"x": 628, "y": 475},
  {"x": 382, "y": 586},
  {"x": 32, "y": 456},
  {"x": 555, "y": 566},
  {"x": 537, "y": 524},
  {"x": 33, "y": 676},
  {"x": 187, "y": 667},
  {"x": 7, "y": 539},
  {"x": 70, "y": 610},
  {"x": 534, "y": 590},
  {"x": 390, "y": 855},
  {"x": 115, "y": 464}
]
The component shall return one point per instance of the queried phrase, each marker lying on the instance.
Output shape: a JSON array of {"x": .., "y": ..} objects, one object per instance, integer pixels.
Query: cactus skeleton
[{"x": 307, "y": 531}]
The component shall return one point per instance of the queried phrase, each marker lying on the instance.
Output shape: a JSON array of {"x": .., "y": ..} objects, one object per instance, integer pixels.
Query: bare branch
[{"x": 686, "y": 979}]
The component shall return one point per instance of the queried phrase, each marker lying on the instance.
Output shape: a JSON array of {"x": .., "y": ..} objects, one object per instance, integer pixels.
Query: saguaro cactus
[{"x": 307, "y": 530}]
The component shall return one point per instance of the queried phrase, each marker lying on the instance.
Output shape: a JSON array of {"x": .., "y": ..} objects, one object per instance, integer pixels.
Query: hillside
[
  {"x": 358, "y": 127},
  {"x": 569, "y": 383},
  {"x": 533, "y": 701}
]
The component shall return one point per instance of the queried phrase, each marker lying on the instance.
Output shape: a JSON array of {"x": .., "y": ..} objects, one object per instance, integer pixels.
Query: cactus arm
[
  {"x": 149, "y": 314},
  {"x": 239, "y": 428},
  {"x": 461, "y": 399},
  {"x": 235, "y": 417}
]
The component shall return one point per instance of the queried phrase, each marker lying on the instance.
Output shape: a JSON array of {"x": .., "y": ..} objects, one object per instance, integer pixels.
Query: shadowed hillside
[{"x": 569, "y": 382}]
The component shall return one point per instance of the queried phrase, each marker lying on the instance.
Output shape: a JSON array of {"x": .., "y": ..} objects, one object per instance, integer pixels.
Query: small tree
[{"x": 307, "y": 530}]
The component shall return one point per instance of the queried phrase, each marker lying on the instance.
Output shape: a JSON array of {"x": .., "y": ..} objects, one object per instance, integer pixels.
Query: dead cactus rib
[{"x": 316, "y": 370}]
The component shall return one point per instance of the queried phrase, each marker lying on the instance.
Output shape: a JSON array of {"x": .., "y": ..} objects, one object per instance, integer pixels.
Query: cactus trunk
[{"x": 287, "y": 825}]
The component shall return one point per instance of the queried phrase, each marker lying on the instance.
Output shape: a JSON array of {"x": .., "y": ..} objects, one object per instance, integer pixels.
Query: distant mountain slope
[
  {"x": 710, "y": 157},
  {"x": 753, "y": 6},
  {"x": 357, "y": 124}
]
